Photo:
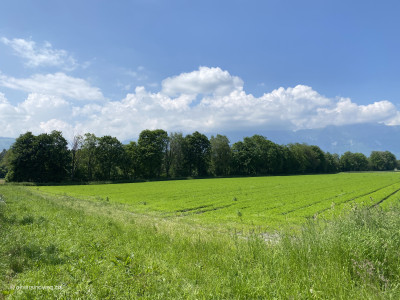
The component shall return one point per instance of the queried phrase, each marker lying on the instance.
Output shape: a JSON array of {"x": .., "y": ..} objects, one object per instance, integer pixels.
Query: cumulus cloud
[
  {"x": 44, "y": 55},
  {"x": 347, "y": 112},
  {"x": 207, "y": 100},
  {"x": 58, "y": 84},
  {"x": 42, "y": 106},
  {"x": 203, "y": 81},
  {"x": 31, "y": 114}
]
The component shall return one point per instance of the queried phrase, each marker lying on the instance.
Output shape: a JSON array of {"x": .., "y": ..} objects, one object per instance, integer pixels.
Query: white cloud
[
  {"x": 204, "y": 81},
  {"x": 40, "y": 107},
  {"x": 347, "y": 112},
  {"x": 58, "y": 84},
  {"x": 59, "y": 125},
  {"x": 212, "y": 101},
  {"x": 32, "y": 114},
  {"x": 44, "y": 55},
  {"x": 395, "y": 120}
]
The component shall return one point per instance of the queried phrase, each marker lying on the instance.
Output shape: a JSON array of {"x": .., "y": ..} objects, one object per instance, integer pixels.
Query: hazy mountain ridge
[
  {"x": 362, "y": 138},
  {"x": 5, "y": 143}
]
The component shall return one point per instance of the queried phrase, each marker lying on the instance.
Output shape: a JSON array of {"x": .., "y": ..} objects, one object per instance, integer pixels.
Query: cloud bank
[{"x": 207, "y": 100}]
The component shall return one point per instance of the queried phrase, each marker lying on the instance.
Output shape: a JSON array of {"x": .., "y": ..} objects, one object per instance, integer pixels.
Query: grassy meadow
[
  {"x": 263, "y": 203},
  {"x": 295, "y": 237}
]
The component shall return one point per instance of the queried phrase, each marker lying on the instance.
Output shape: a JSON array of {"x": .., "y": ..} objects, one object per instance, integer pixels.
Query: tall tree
[
  {"x": 131, "y": 166},
  {"x": 76, "y": 154},
  {"x": 316, "y": 158},
  {"x": 21, "y": 162},
  {"x": 240, "y": 159},
  {"x": 197, "y": 154},
  {"x": 332, "y": 162},
  {"x": 382, "y": 161},
  {"x": 221, "y": 155},
  {"x": 89, "y": 146},
  {"x": 109, "y": 153},
  {"x": 353, "y": 162},
  {"x": 175, "y": 155},
  {"x": 300, "y": 161},
  {"x": 41, "y": 158},
  {"x": 152, "y": 148},
  {"x": 3, "y": 163},
  {"x": 57, "y": 159}
]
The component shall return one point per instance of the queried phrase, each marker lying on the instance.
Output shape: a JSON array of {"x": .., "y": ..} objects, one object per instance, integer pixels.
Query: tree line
[{"x": 49, "y": 158}]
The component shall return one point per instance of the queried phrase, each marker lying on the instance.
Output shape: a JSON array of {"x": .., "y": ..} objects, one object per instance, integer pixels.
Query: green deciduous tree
[
  {"x": 76, "y": 157},
  {"x": 3, "y": 163},
  {"x": 42, "y": 158},
  {"x": 131, "y": 167},
  {"x": 257, "y": 155},
  {"x": 109, "y": 154},
  {"x": 197, "y": 154},
  {"x": 382, "y": 161},
  {"x": 152, "y": 149},
  {"x": 353, "y": 162},
  {"x": 221, "y": 155},
  {"x": 332, "y": 162},
  {"x": 176, "y": 155},
  {"x": 89, "y": 163}
]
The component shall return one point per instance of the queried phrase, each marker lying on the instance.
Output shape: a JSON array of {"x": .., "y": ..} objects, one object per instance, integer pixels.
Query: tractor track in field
[
  {"x": 385, "y": 198},
  {"x": 311, "y": 204},
  {"x": 197, "y": 212},
  {"x": 348, "y": 200},
  {"x": 192, "y": 208},
  {"x": 379, "y": 202}
]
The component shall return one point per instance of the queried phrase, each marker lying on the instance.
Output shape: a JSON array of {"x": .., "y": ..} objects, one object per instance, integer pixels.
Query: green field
[
  {"x": 265, "y": 202},
  {"x": 183, "y": 239}
]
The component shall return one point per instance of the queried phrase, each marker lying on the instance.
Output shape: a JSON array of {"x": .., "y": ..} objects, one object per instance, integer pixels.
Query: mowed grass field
[
  {"x": 264, "y": 202},
  {"x": 182, "y": 239}
]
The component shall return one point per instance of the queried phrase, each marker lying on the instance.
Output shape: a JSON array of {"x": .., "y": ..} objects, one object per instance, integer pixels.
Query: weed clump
[{"x": 26, "y": 220}]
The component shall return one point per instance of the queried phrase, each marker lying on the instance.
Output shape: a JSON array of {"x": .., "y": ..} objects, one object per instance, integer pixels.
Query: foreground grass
[{"x": 99, "y": 250}]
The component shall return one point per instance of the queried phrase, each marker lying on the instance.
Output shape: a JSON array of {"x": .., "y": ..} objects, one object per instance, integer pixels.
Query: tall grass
[{"x": 99, "y": 250}]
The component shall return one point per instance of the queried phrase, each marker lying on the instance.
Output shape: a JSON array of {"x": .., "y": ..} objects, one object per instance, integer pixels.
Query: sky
[{"x": 119, "y": 67}]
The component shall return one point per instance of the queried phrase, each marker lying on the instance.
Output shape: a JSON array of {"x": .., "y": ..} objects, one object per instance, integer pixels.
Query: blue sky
[{"x": 118, "y": 67}]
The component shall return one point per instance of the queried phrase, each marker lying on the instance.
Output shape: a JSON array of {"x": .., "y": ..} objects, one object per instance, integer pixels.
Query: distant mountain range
[
  {"x": 362, "y": 138},
  {"x": 5, "y": 143}
]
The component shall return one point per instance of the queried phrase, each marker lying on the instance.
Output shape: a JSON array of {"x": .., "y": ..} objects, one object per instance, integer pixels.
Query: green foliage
[
  {"x": 76, "y": 157},
  {"x": 197, "y": 154},
  {"x": 332, "y": 163},
  {"x": 175, "y": 156},
  {"x": 221, "y": 155},
  {"x": 152, "y": 146},
  {"x": 3, "y": 163},
  {"x": 89, "y": 161},
  {"x": 42, "y": 158},
  {"x": 353, "y": 162},
  {"x": 382, "y": 161},
  {"x": 156, "y": 155},
  {"x": 109, "y": 153}
]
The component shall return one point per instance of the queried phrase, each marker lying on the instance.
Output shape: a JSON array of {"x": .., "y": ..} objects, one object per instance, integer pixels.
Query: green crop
[
  {"x": 171, "y": 240},
  {"x": 266, "y": 203}
]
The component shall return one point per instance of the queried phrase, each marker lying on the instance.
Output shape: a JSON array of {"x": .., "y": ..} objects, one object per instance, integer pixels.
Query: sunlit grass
[
  {"x": 268, "y": 203},
  {"x": 102, "y": 250}
]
